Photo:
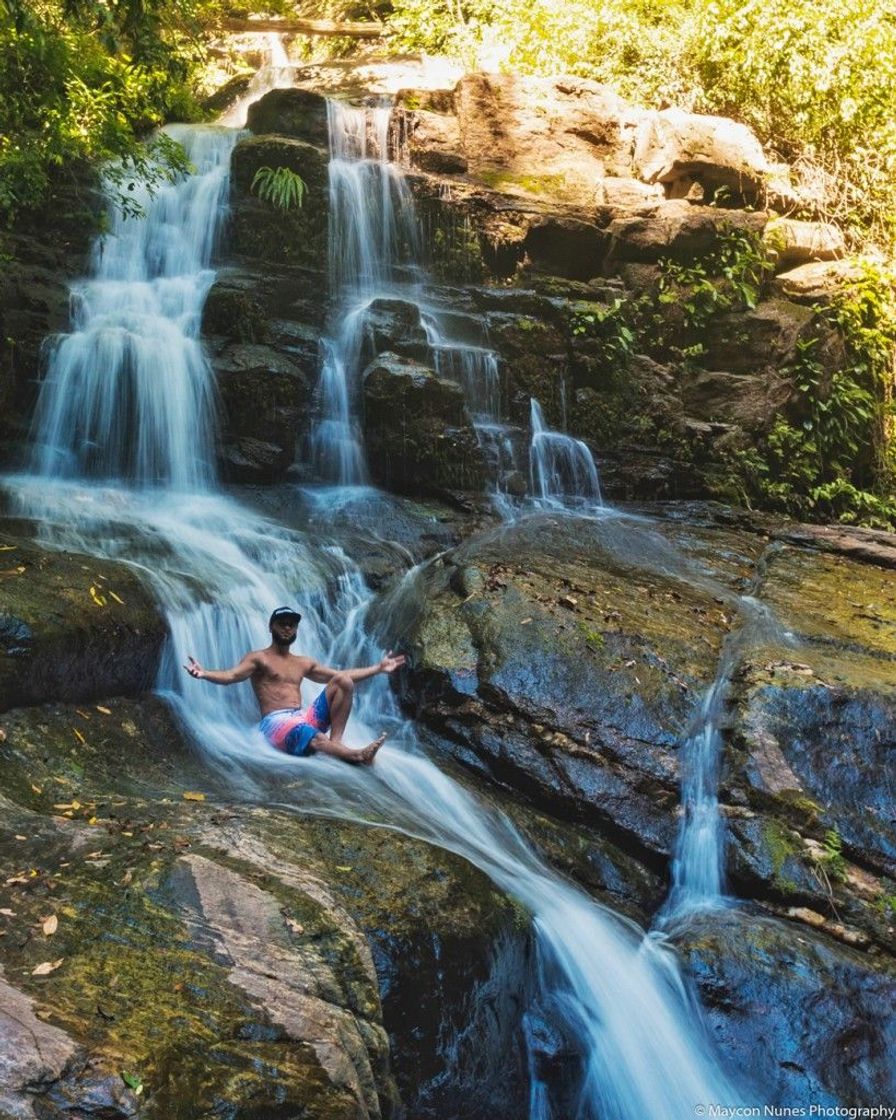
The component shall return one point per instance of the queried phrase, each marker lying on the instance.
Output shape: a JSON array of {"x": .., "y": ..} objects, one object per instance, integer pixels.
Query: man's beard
[{"x": 285, "y": 643}]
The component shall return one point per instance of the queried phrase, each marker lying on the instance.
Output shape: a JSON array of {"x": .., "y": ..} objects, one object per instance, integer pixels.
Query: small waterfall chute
[{"x": 562, "y": 469}]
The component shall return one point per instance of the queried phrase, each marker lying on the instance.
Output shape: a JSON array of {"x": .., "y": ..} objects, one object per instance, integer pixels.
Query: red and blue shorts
[{"x": 292, "y": 729}]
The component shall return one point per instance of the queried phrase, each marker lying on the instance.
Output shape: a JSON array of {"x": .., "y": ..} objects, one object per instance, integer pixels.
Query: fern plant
[{"x": 280, "y": 186}]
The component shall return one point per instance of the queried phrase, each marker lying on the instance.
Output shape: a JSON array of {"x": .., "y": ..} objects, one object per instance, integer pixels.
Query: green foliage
[
  {"x": 87, "y": 81},
  {"x": 280, "y": 186},
  {"x": 831, "y": 458},
  {"x": 609, "y": 326},
  {"x": 728, "y": 278},
  {"x": 830, "y": 859}
]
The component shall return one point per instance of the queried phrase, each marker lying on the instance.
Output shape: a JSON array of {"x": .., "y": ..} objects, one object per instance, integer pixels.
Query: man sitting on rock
[{"x": 277, "y": 676}]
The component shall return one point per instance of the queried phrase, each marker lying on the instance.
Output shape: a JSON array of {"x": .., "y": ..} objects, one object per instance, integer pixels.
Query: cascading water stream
[
  {"x": 562, "y": 469},
  {"x": 372, "y": 248},
  {"x": 218, "y": 569}
]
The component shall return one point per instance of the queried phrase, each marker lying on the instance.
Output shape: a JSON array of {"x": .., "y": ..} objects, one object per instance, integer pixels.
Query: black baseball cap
[{"x": 284, "y": 614}]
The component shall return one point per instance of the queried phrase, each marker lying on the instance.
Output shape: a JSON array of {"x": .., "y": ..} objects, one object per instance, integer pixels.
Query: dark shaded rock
[
  {"x": 760, "y": 339},
  {"x": 73, "y": 627},
  {"x": 419, "y": 438},
  {"x": 752, "y": 402},
  {"x": 567, "y": 247},
  {"x": 678, "y": 230},
  {"x": 535, "y": 363},
  {"x": 394, "y": 325},
  {"x": 233, "y": 312},
  {"x": 266, "y": 398},
  {"x": 228, "y": 93},
  {"x": 291, "y": 112},
  {"x": 259, "y": 230},
  {"x": 826, "y": 1010},
  {"x": 255, "y": 460}
]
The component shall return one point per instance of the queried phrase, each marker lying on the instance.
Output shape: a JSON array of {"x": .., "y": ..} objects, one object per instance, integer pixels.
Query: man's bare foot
[{"x": 369, "y": 753}]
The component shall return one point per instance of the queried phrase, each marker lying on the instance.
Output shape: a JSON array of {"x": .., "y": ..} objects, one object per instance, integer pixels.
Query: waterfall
[
  {"x": 372, "y": 242},
  {"x": 562, "y": 469},
  {"x": 128, "y": 395},
  {"x": 698, "y": 864},
  {"x": 218, "y": 569}
]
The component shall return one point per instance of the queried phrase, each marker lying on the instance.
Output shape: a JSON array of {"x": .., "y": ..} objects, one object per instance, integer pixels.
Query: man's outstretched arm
[
  {"x": 241, "y": 672},
  {"x": 323, "y": 674}
]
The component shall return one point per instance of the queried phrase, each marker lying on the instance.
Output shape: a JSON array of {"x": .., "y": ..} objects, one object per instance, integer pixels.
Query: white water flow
[
  {"x": 698, "y": 865},
  {"x": 218, "y": 569},
  {"x": 276, "y": 72},
  {"x": 375, "y": 254},
  {"x": 372, "y": 253},
  {"x": 562, "y": 469}
]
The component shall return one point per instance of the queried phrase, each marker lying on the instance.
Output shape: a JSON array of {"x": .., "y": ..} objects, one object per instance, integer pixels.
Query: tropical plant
[{"x": 280, "y": 186}]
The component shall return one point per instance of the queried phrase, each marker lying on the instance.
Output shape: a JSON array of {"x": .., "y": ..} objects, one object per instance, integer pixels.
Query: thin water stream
[{"x": 123, "y": 469}]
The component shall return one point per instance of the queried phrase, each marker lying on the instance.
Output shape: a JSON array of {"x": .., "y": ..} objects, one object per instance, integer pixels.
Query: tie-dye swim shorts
[{"x": 292, "y": 729}]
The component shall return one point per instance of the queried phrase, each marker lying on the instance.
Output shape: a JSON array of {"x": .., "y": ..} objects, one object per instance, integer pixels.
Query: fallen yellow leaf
[
  {"x": 105, "y": 711},
  {"x": 46, "y": 967},
  {"x": 78, "y": 735},
  {"x": 190, "y": 795},
  {"x": 116, "y": 598},
  {"x": 50, "y": 925}
]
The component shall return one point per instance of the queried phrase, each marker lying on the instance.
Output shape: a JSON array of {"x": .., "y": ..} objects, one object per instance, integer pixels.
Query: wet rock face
[
  {"x": 814, "y": 728},
  {"x": 826, "y": 1010},
  {"x": 418, "y": 436},
  {"x": 568, "y": 661},
  {"x": 544, "y": 659},
  {"x": 230, "y": 958},
  {"x": 73, "y": 627},
  {"x": 43, "y": 254}
]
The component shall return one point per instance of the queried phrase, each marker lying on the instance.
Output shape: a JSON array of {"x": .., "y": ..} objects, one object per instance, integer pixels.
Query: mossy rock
[
  {"x": 543, "y": 657},
  {"x": 231, "y": 957},
  {"x": 419, "y": 438},
  {"x": 259, "y": 229},
  {"x": 73, "y": 627}
]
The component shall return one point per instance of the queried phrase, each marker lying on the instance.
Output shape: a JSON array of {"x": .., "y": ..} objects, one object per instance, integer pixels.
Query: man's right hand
[{"x": 194, "y": 668}]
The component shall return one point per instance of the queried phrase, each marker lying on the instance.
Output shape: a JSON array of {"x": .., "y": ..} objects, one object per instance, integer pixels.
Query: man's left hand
[{"x": 391, "y": 662}]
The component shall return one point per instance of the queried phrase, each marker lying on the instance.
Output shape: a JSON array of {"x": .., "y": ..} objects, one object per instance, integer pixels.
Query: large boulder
[
  {"x": 826, "y": 1010},
  {"x": 795, "y": 243},
  {"x": 299, "y": 113},
  {"x": 547, "y": 661},
  {"x": 418, "y": 434},
  {"x": 814, "y": 721},
  {"x": 680, "y": 149},
  {"x": 678, "y": 229},
  {"x": 817, "y": 282},
  {"x": 73, "y": 627},
  {"x": 570, "y": 130}
]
